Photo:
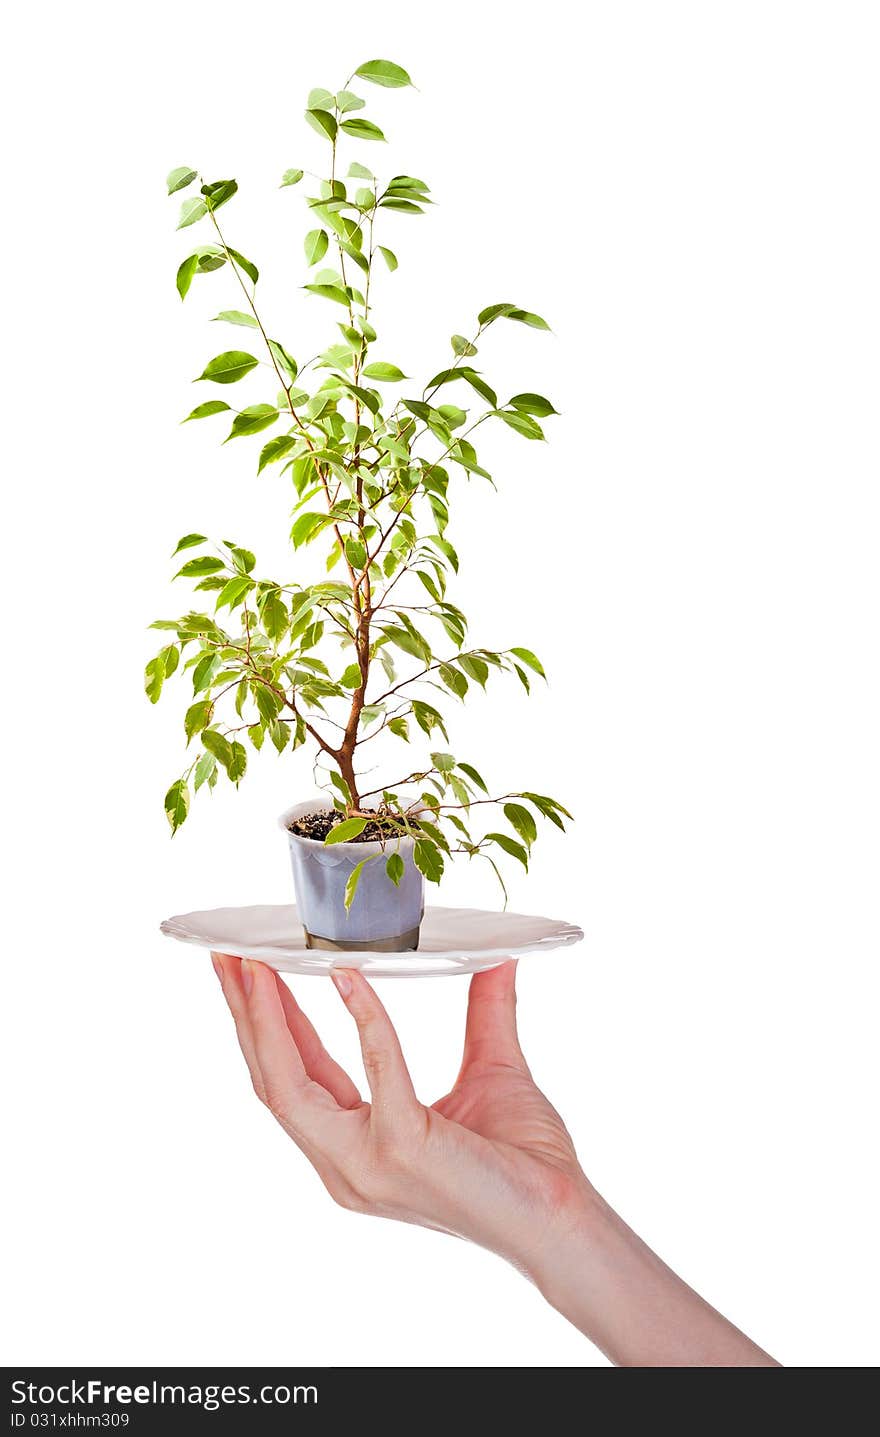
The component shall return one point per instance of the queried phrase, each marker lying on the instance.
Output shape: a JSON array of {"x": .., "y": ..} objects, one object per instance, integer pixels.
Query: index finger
[{"x": 301, "y": 1105}]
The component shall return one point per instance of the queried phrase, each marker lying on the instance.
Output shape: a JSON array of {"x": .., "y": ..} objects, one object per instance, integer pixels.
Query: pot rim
[{"x": 323, "y": 805}]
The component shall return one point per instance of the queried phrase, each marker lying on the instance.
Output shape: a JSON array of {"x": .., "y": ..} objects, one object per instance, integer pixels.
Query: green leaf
[
  {"x": 268, "y": 704},
  {"x": 444, "y": 762},
  {"x": 154, "y": 677},
  {"x": 356, "y": 554},
  {"x": 529, "y": 659},
  {"x": 210, "y": 257},
  {"x": 409, "y": 184},
  {"x": 247, "y": 265},
  {"x": 351, "y": 677},
  {"x": 523, "y": 423},
  {"x": 410, "y": 643},
  {"x": 533, "y": 404},
  {"x": 185, "y": 275},
  {"x": 238, "y": 316},
  {"x": 381, "y": 370},
  {"x": 389, "y": 256},
  {"x": 494, "y": 311},
  {"x": 407, "y": 207},
  {"x": 195, "y": 568},
  {"x": 252, "y": 420},
  {"x": 205, "y": 672},
  {"x": 453, "y": 680},
  {"x": 290, "y": 177},
  {"x": 179, "y": 179},
  {"x": 548, "y": 807},
  {"x": 219, "y": 192},
  {"x": 339, "y": 783},
  {"x": 329, "y": 291},
  {"x": 523, "y": 316},
  {"x": 177, "y": 804},
  {"x": 238, "y": 762},
  {"x": 323, "y": 122},
  {"x": 445, "y": 548},
  {"x": 362, "y": 129},
  {"x": 462, "y": 346},
  {"x": 346, "y": 100},
  {"x": 400, "y": 728},
  {"x": 427, "y": 717},
  {"x": 515, "y": 850},
  {"x": 353, "y": 880},
  {"x": 307, "y": 526},
  {"x": 202, "y": 411},
  {"x": 366, "y": 396},
  {"x": 219, "y": 746},
  {"x": 281, "y": 357},
  {"x": 450, "y": 375},
  {"x": 472, "y": 774},
  {"x": 280, "y": 735},
  {"x": 229, "y": 367},
  {"x": 428, "y": 860},
  {"x": 384, "y": 72},
  {"x": 191, "y": 211},
  {"x": 234, "y": 590},
  {"x": 321, "y": 99},
  {"x": 316, "y": 243},
  {"x": 189, "y": 541},
  {"x": 198, "y": 716},
  {"x": 360, "y": 172},
  {"x": 345, "y": 831},
  {"x": 475, "y": 668},
  {"x": 520, "y": 819},
  {"x": 395, "y": 868},
  {"x": 276, "y": 449},
  {"x": 479, "y": 384},
  {"x": 454, "y": 417},
  {"x": 206, "y": 769},
  {"x": 273, "y": 615},
  {"x": 461, "y": 790}
]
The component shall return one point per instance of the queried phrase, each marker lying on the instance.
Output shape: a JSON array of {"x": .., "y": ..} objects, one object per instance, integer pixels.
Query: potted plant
[{"x": 372, "y": 644}]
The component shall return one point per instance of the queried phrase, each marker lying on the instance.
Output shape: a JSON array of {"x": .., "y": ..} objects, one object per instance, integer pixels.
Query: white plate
[{"x": 453, "y": 940}]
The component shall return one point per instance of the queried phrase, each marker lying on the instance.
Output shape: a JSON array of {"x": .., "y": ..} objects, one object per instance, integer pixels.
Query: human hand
[{"x": 492, "y": 1161}]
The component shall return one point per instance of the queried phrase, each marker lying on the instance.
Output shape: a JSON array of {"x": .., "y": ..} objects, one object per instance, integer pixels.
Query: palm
[{"x": 504, "y": 1106}]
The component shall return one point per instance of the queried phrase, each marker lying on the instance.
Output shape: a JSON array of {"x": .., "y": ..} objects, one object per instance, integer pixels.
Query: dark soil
[{"x": 318, "y": 825}]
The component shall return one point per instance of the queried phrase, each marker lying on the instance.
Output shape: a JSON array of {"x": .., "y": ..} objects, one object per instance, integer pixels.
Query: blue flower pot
[{"x": 384, "y": 917}]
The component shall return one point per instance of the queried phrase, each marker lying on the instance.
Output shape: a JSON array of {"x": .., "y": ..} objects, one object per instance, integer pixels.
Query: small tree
[{"x": 296, "y": 662}]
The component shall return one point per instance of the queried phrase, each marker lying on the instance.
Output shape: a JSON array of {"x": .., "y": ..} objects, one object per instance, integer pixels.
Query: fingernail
[
  {"x": 247, "y": 977},
  {"x": 342, "y": 981},
  {"x": 218, "y": 967}
]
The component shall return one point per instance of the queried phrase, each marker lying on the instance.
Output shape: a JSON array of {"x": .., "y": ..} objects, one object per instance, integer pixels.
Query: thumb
[{"x": 490, "y": 1034}]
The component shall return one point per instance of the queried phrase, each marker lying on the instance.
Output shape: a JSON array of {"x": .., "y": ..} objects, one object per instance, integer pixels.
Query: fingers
[
  {"x": 228, "y": 970},
  {"x": 277, "y": 1071},
  {"x": 490, "y": 1033},
  {"x": 299, "y": 1104},
  {"x": 316, "y": 1060},
  {"x": 387, "y": 1074}
]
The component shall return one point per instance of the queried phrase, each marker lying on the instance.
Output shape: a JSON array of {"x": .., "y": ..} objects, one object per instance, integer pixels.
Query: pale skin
[{"x": 492, "y": 1162}]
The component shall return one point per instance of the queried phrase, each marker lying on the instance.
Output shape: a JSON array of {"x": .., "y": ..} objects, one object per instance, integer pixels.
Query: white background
[{"x": 688, "y": 192}]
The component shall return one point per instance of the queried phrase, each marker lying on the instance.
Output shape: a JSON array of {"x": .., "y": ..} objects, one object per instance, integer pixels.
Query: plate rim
[{"x": 568, "y": 934}]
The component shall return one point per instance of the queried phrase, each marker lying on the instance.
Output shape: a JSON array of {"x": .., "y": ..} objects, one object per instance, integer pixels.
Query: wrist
[{"x": 566, "y": 1247}]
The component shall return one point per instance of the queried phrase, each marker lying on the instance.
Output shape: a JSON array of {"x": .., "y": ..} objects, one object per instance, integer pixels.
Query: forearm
[{"x": 610, "y": 1285}]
